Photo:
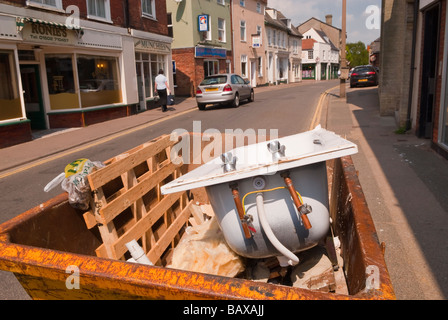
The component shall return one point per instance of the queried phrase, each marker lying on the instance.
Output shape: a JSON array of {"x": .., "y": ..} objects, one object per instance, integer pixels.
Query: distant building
[
  {"x": 283, "y": 47},
  {"x": 75, "y": 63},
  {"x": 202, "y": 41},
  {"x": 248, "y": 27},
  {"x": 375, "y": 53},
  {"x": 320, "y": 57}
]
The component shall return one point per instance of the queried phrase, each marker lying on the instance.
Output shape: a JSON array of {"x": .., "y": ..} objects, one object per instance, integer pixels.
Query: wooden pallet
[{"x": 128, "y": 205}]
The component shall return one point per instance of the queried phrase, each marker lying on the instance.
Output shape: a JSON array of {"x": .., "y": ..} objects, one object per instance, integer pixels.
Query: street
[{"x": 290, "y": 110}]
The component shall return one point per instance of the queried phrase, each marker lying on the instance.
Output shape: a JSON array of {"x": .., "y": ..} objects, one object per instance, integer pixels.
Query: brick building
[
  {"x": 202, "y": 41},
  {"x": 74, "y": 63}
]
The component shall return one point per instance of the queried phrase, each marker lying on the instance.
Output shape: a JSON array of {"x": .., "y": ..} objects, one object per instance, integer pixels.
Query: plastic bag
[{"x": 74, "y": 181}]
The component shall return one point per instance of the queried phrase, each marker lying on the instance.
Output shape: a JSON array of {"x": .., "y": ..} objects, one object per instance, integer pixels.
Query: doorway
[
  {"x": 253, "y": 73},
  {"x": 32, "y": 96},
  {"x": 429, "y": 72}
]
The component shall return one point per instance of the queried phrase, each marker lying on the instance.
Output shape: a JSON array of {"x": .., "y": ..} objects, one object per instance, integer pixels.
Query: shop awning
[{"x": 22, "y": 21}]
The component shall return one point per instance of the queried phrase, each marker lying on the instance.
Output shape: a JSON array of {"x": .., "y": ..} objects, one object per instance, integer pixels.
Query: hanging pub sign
[{"x": 203, "y": 22}]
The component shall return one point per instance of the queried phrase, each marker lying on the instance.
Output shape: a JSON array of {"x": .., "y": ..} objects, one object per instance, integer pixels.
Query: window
[
  {"x": 258, "y": 7},
  {"x": 274, "y": 42},
  {"x": 98, "y": 9},
  {"x": 207, "y": 35},
  {"x": 295, "y": 46},
  {"x": 221, "y": 2},
  {"x": 148, "y": 8},
  {"x": 243, "y": 30},
  {"x": 61, "y": 83},
  {"x": 51, "y": 4},
  {"x": 310, "y": 55},
  {"x": 235, "y": 79},
  {"x": 211, "y": 67},
  {"x": 221, "y": 30},
  {"x": 98, "y": 80},
  {"x": 260, "y": 66},
  {"x": 243, "y": 3},
  {"x": 269, "y": 37},
  {"x": 244, "y": 66},
  {"x": 10, "y": 106},
  {"x": 170, "y": 24}
]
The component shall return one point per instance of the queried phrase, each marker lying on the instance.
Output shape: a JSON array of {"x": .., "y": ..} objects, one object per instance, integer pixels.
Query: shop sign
[
  {"x": 151, "y": 45},
  {"x": 48, "y": 33},
  {"x": 203, "y": 22},
  {"x": 205, "y": 52}
]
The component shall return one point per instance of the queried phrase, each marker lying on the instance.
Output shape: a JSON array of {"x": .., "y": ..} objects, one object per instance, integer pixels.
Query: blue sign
[
  {"x": 203, "y": 22},
  {"x": 205, "y": 52}
]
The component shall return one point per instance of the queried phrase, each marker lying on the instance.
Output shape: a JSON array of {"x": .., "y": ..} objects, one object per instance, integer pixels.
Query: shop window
[
  {"x": 10, "y": 107},
  {"x": 98, "y": 80},
  {"x": 157, "y": 63},
  {"x": 148, "y": 66},
  {"x": 61, "y": 84},
  {"x": 211, "y": 67}
]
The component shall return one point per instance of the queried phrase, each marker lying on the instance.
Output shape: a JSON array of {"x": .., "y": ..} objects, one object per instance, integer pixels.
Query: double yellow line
[{"x": 318, "y": 113}]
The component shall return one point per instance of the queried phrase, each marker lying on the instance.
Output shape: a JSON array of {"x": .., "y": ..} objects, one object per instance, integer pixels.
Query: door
[
  {"x": 429, "y": 73},
  {"x": 32, "y": 95},
  {"x": 253, "y": 73}
]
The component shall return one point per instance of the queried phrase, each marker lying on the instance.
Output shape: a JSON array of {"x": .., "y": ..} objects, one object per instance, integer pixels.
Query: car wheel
[
  {"x": 201, "y": 106},
  {"x": 252, "y": 96},
  {"x": 236, "y": 101}
]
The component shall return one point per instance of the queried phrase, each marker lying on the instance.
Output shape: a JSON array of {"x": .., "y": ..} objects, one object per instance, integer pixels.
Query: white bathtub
[{"x": 304, "y": 158}]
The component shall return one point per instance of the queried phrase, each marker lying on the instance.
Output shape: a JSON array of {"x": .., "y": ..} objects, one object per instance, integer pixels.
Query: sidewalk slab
[{"x": 405, "y": 184}]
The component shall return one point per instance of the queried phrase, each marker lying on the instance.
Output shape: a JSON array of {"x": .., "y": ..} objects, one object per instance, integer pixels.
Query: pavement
[{"x": 403, "y": 179}]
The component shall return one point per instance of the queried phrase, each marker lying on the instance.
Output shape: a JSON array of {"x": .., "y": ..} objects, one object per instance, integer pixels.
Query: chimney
[{"x": 329, "y": 19}]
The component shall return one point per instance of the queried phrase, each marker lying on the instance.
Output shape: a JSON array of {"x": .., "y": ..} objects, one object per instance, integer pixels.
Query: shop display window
[
  {"x": 10, "y": 107},
  {"x": 98, "y": 80},
  {"x": 61, "y": 84}
]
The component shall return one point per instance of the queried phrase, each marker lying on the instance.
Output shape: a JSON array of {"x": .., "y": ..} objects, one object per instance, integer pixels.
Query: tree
[{"x": 357, "y": 54}]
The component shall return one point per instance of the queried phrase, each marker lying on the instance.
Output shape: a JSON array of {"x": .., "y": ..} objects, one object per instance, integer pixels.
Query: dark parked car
[{"x": 364, "y": 75}]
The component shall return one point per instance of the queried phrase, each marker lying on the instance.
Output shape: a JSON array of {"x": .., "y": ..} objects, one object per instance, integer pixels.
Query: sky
[{"x": 363, "y": 16}]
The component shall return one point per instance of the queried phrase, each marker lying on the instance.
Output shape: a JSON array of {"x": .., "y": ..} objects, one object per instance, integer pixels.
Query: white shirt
[{"x": 160, "y": 82}]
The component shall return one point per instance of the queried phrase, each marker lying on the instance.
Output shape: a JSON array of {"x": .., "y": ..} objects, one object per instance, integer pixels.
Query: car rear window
[
  {"x": 363, "y": 69},
  {"x": 214, "y": 80}
]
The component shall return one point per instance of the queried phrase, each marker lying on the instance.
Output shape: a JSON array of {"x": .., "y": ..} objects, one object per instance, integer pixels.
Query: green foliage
[{"x": 357, "y": 54}]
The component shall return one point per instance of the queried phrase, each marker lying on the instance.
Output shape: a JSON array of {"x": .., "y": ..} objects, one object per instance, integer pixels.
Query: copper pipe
[
  {"x": 239, "y": 208},
  {"x": 296, "y": 200}
]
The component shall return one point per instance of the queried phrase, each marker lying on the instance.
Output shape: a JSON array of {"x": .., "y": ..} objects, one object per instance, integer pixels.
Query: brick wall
[
  {"x": 190, "y": 70},
  {"x": 185, "y": 71},
  {"x": 119, "y": 15}
]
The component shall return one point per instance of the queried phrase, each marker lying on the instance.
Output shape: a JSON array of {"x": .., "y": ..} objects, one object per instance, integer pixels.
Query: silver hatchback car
[{"x": 223, "y": 88}]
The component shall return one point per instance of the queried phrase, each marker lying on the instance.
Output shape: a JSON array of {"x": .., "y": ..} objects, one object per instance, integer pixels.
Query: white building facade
[{"x": 320, "y": 57}]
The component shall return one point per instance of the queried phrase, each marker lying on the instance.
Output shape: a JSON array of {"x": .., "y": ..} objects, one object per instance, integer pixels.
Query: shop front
[
  {"x": 309, "y": 71},
  {"x": 151, "y": 56},
  {"x": 57, "y": 76}
]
